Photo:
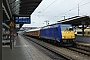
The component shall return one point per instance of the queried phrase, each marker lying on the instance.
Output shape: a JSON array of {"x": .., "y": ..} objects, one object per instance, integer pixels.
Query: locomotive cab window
[
  {"x": 66, "y": 27},
  {"x": 70, "y": 28}
]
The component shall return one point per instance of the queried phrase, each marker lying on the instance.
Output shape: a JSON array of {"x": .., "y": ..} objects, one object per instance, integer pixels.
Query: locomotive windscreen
[{"x": 66, "y": 27}]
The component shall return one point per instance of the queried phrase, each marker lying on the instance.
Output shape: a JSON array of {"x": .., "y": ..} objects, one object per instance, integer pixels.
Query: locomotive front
[{"x": 68, "y": 35}]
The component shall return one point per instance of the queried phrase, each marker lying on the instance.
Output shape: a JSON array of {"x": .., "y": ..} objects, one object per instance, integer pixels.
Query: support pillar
[
  {"x": 11, "y": 35},
  {"x": 1, "y": 19},
  {"x": 83, "y": 23}
]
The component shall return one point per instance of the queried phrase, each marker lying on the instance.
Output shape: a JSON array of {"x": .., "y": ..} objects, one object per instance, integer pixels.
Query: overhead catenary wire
[
  {"x": 81, "y": 2},
  {"x": 79, "y": 6},
  {"x": 55, "y": 7},
  {"x": 76, "y": 7},
  {"x": 69, "y": 10},
  {"x": 85, "y": 12},
  {"x": 48, "y": 6},
  {"x": 72, "y": 9},
  {"x": 61, "y": 4}
]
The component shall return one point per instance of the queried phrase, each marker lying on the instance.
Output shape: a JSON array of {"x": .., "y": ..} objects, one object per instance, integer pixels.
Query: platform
[
  {"x": 84, "y": 39},
  {"x": 23, "y": 50},
  {"x": 83, "y": 43}
]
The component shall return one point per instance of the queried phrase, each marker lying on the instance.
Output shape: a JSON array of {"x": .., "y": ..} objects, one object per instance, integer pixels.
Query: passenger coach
[
  {"x": 86, "y": 32},
  {"x": 33, "y": 32}
]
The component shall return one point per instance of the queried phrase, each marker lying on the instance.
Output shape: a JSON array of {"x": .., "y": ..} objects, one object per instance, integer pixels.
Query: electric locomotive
[{"x": 62, "y": 34}]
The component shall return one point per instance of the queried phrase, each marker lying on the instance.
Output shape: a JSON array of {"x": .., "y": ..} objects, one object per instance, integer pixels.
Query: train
[
  {"x": 62, "y": 34},
  {"x": 80, "y": 33}
]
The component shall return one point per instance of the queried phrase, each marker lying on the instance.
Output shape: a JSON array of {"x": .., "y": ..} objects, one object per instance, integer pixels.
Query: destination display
[{"x": 22, "y": 20}]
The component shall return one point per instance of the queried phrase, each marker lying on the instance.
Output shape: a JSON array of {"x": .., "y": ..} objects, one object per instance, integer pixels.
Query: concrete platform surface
[
  {"x": 23, "y": 50},
  {"x": 83, "y": 43}
]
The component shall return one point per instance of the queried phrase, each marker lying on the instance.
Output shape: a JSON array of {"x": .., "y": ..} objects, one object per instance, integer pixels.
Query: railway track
[
  {"x": 82, "y": 47},
  {"x": 80, "y": 51},
  {"x": 67, "y": 53}
]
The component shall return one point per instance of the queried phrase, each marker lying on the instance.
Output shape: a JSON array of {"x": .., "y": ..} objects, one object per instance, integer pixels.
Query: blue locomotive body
[{"x": 51, "y": 32}]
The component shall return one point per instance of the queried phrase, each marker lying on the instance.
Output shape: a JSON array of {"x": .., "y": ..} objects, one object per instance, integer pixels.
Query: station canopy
[
  {"x": 77, "y": 20},
  {"x": 18, "y": 8},
  {"x": 27, "y": 7}
]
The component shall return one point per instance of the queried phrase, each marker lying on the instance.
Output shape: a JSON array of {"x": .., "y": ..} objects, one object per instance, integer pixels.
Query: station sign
[
  {"x": 17, "y": 25},
  {"x": 22, "y": 20}
]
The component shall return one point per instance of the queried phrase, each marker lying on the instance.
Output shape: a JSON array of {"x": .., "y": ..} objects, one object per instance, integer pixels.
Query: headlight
[
  {"x": 67, "y": 32},
  {"x": 63, "y": 37},
  {"x": 73, "y": 37}
]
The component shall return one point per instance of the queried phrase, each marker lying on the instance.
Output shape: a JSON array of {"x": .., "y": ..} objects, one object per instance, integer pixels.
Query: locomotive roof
[{"x": 56, "y": 24}]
